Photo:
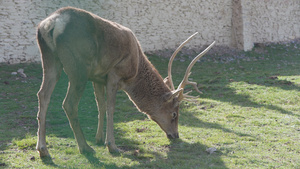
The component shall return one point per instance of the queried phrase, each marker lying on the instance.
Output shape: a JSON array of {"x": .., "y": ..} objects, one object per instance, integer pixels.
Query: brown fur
[{"x": 91, "y": 48}]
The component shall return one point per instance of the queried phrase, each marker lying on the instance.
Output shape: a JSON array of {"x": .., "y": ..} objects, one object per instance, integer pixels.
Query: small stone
[
  {"x": 20, "y": 70},
  {"x": 211, "y": 150},
  {"x": 22, "y": 74}
]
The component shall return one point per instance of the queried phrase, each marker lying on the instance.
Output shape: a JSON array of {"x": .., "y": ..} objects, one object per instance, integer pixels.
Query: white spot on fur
[
  {"x": 60, "y": 25},
  {"x": 56, "y": 22}
]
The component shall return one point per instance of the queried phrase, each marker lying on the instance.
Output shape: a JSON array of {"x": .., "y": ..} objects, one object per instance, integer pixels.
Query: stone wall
[
  {"x": 274, "y": 20},
  {"x": 158, "y": 24},
  {"x": 18, "y": 22}
]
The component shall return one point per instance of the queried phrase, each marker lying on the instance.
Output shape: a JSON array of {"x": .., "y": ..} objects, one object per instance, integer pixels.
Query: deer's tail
[{"x": 52, "y": 27}]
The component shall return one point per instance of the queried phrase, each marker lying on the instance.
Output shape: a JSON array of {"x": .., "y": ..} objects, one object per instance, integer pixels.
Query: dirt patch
[{"x": 224, "y": 53}]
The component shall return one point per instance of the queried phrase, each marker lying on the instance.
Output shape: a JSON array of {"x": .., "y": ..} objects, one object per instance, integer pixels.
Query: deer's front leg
[
  {"x": 112, "y": 87},
  {"x": 101, "y": 104}
]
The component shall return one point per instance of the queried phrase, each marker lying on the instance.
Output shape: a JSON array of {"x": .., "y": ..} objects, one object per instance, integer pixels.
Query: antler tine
[
  {"x": 168, "y": 80},
  {"x": 189, "y": 98},
  {"x": 185, "y": 80}
]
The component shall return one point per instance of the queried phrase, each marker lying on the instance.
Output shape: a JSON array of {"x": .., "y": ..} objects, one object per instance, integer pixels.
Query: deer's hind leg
[
  {"x": 70, "y": 106},
  {"x": 101, "y": 104},
  {"x": 76, "y": 72},
  {"x": 52, "y": 69}
]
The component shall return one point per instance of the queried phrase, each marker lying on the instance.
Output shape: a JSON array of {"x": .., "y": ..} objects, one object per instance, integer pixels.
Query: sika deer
[{"x": 90, "y": 48}]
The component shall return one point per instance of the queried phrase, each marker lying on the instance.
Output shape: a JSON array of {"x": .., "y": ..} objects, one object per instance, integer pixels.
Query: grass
[{"x": 249, "y": 112}]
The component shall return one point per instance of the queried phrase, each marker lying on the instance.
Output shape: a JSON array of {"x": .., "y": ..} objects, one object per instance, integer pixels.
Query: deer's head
[{"x": 168, "y": 113}]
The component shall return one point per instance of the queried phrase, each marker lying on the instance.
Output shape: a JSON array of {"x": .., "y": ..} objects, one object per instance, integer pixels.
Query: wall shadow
[{"x": 262, "y": 70}]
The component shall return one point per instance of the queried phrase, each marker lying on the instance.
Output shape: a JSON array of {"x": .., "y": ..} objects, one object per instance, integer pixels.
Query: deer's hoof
[
  {"x": 43, "y": 152},
  {"x": 99, "y": 141},
  {"x": 114, "y": 149},
  {"x": 87, "y": 150}
]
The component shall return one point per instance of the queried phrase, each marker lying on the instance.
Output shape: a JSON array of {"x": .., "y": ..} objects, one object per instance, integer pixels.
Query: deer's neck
[{"x": 147, "y": 88}]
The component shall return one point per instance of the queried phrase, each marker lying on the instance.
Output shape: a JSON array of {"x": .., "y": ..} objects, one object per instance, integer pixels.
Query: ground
[{"x": 248, "y": 113}]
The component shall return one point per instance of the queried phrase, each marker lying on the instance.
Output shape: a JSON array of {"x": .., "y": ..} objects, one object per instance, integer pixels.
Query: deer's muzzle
[{"x": 173, "y": 136}]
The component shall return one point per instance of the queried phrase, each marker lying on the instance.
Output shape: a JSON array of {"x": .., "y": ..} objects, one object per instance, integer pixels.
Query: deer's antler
[
  {"x": 168, "y": 80},
  {"x": 185, "y": 80}
]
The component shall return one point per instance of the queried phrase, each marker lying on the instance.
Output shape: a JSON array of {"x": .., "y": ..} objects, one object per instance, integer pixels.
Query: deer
[{"x": 90, "y": 48}]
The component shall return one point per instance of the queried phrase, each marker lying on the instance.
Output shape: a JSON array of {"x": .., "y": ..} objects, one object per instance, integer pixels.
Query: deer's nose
[{"x": 173, "y": 136}]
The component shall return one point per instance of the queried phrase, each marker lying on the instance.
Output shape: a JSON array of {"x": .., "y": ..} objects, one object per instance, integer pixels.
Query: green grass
[{"x": 249, "y": 111}]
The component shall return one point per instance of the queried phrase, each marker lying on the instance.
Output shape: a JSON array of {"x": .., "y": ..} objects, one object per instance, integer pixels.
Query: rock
[
  {"x": 22, "y": 74},
  {"x": 20, "y": 70},
  {"x": 211, "y": 150}
]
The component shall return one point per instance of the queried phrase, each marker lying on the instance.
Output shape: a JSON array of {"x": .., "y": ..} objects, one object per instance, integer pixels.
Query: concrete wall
[{"x": 158, "y": 24}]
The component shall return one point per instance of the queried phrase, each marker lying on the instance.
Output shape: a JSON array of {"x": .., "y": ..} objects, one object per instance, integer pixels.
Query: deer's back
[{"x": 95, "y": 45}]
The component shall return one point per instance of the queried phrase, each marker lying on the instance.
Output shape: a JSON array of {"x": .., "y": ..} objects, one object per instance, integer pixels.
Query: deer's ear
[{"x": 171, "y": 95}]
